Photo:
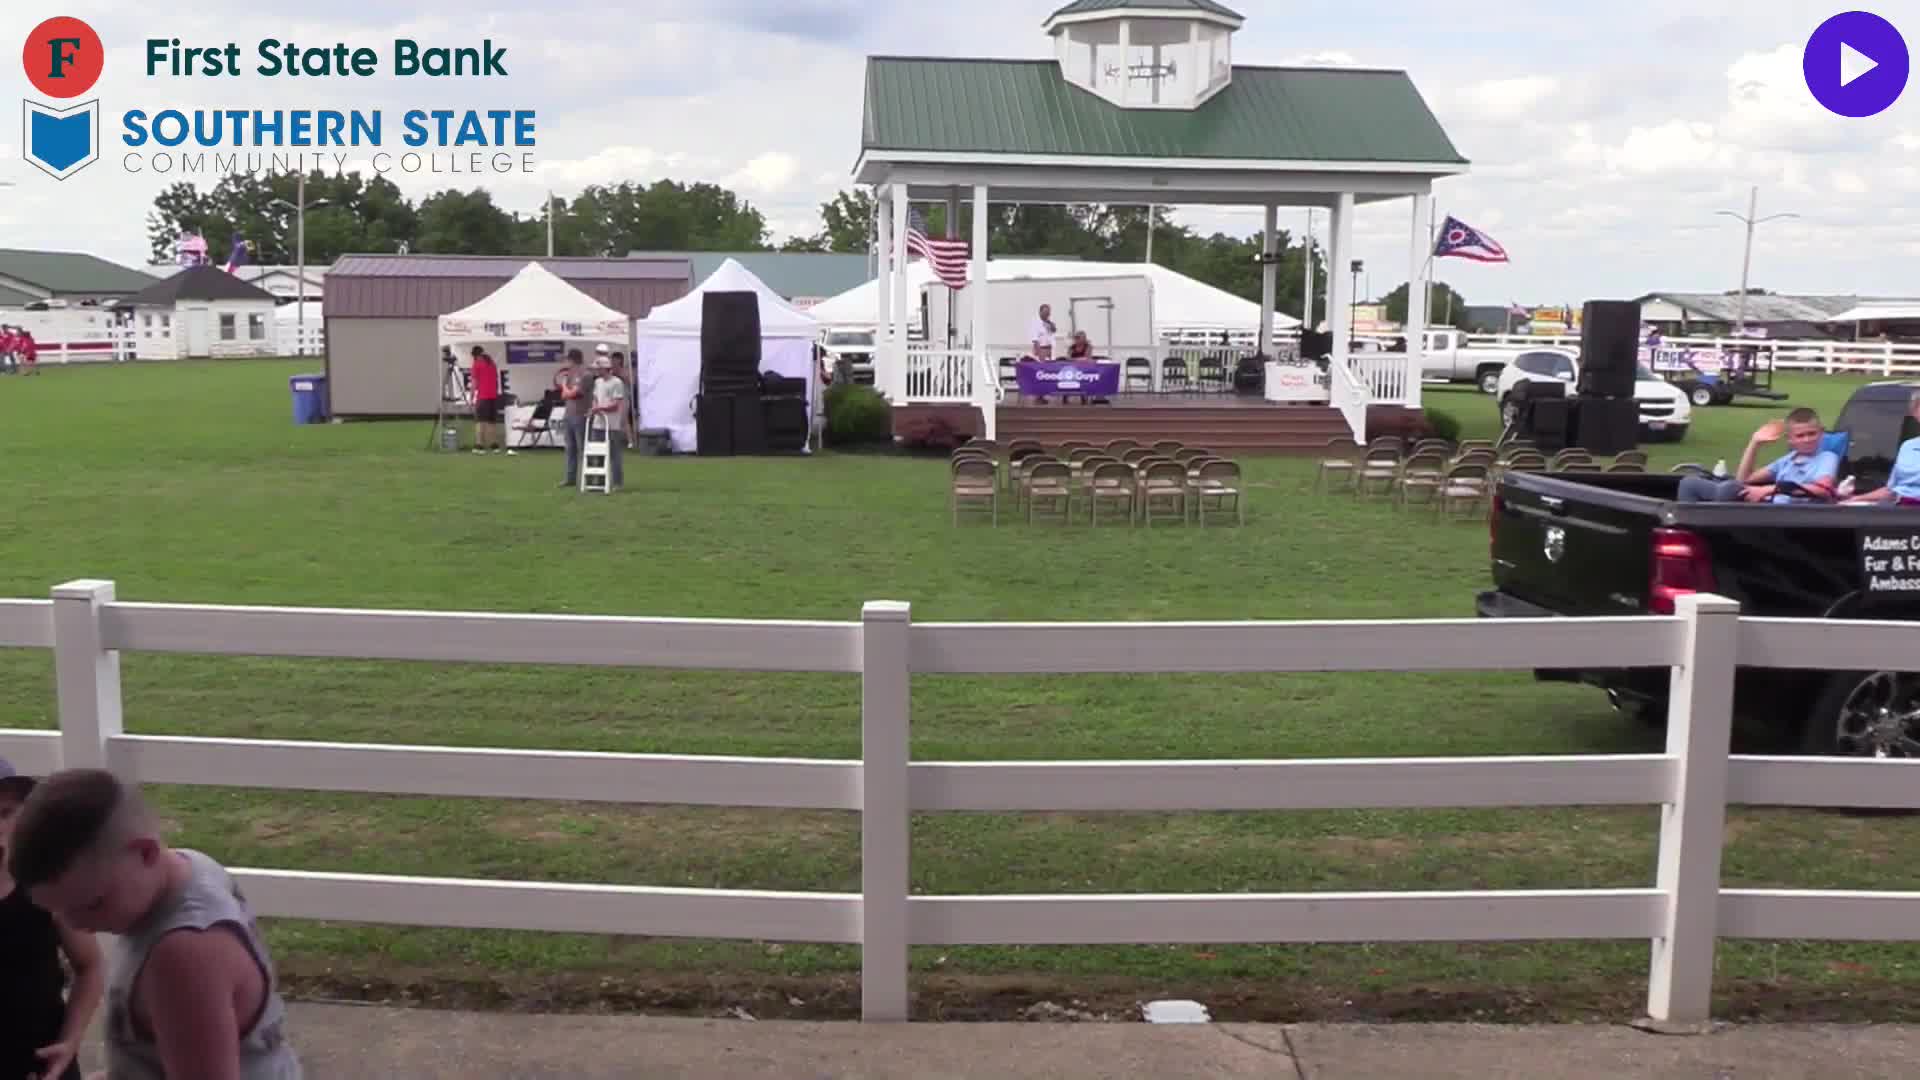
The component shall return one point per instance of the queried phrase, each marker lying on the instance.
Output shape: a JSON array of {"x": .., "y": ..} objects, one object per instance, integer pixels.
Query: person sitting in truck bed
[
  {"x": 1903, "y": 487},
  {"x": 1811, "y": 470}
]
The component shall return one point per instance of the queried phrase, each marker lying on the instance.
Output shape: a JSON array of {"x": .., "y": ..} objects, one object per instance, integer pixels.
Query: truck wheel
[
  {"x": 1867, "y": 714},
  {"x": 1489, "y": 380},
  {"x": 1509, "y": 413},
  {"x": 1702, "y": 397}
]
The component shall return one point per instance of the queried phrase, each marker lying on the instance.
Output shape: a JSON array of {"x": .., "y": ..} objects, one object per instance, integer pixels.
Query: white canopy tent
[
  {"x": 667, "y": 351},
  {"x": 540, "y": 311},
  {"x": 1180, "y": 302}
]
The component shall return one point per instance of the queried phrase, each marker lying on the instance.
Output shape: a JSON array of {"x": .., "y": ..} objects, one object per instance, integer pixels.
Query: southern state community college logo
[{"x": 62, "y": 58}]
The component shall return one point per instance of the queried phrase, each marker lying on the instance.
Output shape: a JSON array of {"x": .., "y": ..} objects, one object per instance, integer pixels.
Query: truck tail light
[{"x": 1681, "y": 565}]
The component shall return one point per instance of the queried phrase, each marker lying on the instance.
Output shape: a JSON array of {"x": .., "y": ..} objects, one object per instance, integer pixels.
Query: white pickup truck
[{"x": 1449, "y": 357}]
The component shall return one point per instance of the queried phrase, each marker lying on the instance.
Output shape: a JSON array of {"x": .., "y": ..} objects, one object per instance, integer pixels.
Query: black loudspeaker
[
  {"x": 730, "y": 333},
  {"x": 775, "y": 385},
  {"x": 1606, "y": 426},
  {"x": 1315, "y": 344},
  {"x": 713, "y": 425},
  {"x": 1547, "y": 422},
  {"x": 786, "y": 421},
  {"x": 749, "y": 425},
  {"x": 1609, "y": 348}
]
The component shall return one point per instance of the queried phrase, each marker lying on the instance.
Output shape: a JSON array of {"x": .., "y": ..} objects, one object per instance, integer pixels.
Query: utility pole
[
  {"x": 300, "y": 259},
  {"x": 1306, "y": 310},
  {"x": 549, "y": 223},
  {"x": 1149, "y": 232},
  {"x": 1746, "y": 261}
]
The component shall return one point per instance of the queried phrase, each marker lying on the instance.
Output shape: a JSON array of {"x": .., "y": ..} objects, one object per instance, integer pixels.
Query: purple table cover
[{"x": 1098, "y": 378}]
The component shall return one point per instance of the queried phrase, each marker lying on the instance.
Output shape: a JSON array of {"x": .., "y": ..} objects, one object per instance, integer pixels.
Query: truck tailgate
[{"x": 1574, "y": 548}]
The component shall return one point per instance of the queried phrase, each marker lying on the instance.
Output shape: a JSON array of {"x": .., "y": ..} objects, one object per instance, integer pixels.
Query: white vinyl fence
[
  {"x": 1682, "y": 912},
  {"x": 1880, "y": 358}
]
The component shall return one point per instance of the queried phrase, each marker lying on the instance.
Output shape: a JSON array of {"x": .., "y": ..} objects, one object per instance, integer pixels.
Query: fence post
[
  {"x": 1692, "y": 826},
  {"x": 1886, "y": 363},
  {"x": 86, "y": 674},
  {"x": 885, "y": 811}
]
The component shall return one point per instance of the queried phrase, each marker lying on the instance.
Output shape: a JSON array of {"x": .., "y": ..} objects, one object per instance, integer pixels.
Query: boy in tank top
[{"x": 190, "y": 986}]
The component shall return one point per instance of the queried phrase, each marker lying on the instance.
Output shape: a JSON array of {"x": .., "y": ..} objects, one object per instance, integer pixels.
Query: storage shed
[
  {"x": 203, "y": 311},
  {"x": 382, "y": 316}
]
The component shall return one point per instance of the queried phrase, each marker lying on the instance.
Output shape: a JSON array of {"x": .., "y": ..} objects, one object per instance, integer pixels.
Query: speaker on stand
[
  {"x": 783, "y": 406},
  {"x": 727, "y": 411},
  {"x": 1609, "y": 348}
]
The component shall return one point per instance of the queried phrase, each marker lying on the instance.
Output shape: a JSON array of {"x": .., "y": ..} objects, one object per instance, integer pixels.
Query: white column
[
  {"x": 1269, "y": 282},
  {"x": 1416, "y": 328},
  {"x": 883, "y": 317},
  {"x": 986, "y": 369},
  {"x": 1307, "y": 305},
  {"x": 896, "y": 388},
  {"x": 1339, "y": 287}
]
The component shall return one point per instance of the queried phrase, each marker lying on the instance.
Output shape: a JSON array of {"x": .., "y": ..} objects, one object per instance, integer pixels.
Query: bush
[
  {"x": 857, "y": 415},
  {"x": 1444, "y": 425}
]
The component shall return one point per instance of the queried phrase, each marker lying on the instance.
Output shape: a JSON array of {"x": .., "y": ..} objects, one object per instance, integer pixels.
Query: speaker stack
[
  {"x": 1606, "y": 418},
  {"x": 728, "y": 417},
  {"x": 783, "y": 402}
]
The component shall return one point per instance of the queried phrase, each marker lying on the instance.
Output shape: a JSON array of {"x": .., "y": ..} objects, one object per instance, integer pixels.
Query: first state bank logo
[{"x": 62, "y": 58}]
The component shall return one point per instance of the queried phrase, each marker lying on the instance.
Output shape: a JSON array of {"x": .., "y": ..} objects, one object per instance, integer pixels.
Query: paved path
[{"x": 354, "y": 1043}]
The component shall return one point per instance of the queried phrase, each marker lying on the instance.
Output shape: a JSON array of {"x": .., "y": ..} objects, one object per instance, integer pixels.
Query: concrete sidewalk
[{"x": 344, "y": 1042}]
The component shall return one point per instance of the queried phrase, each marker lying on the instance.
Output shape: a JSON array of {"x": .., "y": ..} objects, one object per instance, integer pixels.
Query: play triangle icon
[{"x": 1854, "y": 64}]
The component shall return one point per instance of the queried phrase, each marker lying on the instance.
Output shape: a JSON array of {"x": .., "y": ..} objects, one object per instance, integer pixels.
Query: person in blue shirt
[
  {"x": 1814, "y": 471},
  {"x": 1903, "y": 487}
]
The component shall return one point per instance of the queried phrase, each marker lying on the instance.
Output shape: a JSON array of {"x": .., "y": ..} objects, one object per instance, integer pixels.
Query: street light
[
  {"x": 299, "y": 209},
  {"x": 1746, "y": 263}
]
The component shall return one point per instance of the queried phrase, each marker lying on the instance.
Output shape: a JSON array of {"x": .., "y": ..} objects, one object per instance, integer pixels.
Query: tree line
[{"x": 347, "y": 213}]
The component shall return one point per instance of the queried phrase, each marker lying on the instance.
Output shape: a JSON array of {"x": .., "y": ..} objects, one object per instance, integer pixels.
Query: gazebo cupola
[{"x": 1146, "y": 54}]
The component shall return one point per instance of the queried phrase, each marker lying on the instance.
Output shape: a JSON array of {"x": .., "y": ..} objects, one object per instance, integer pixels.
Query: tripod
[{"x": 456, "y": 399}]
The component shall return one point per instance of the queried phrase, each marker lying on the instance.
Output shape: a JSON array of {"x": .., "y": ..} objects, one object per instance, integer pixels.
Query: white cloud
[
  {"x": 765, "y": 173},
  {"x": 1327, "y": 58},
  {"x": 1510, "y": 97}
]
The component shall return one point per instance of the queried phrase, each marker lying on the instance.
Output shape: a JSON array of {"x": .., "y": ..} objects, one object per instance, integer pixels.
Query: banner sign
[
  {"x": 536, "y": 352},
  {"x": 1890, "y": 560},
  {"x": 1039, "y": 378}
]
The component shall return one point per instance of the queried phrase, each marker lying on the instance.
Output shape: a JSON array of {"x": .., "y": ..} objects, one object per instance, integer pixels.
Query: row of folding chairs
[
  {"x": 1452, "y": 476},
  {"x": 1140, "y": 486}
]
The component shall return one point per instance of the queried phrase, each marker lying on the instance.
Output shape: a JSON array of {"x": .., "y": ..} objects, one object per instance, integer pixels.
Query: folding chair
[
  {"x": 975, "y": 480},
  {"x": 1219, "y": 481},
  {"x": 539, "y": 423}
]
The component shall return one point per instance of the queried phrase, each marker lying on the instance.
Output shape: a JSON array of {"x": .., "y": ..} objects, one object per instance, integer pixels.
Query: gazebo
[{"x": 1142, "y": 105}]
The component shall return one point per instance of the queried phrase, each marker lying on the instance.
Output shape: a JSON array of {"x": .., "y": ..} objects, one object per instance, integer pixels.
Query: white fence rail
[
  {"x": 93, "y": 335},
  {"x": 1682, "y": 913},
  {"x": 940, "y": 375},
  {"x": 1881, "y": 358}
]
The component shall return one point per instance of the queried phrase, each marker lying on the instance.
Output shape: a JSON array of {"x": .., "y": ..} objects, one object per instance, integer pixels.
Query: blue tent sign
[{"x": 61, "y": 142}]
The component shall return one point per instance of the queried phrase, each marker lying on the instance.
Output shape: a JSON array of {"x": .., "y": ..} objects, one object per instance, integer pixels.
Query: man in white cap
[{"x": 610, "y": 406}]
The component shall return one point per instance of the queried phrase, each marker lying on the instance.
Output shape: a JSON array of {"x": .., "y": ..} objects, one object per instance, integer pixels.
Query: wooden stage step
[{"x": 1261, "y": 428}]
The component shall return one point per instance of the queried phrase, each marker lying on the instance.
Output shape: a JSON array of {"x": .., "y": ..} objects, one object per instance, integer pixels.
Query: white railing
[
  {"x": 1351, "y": 395},
  {"x": 1682, "y": 913},
  {"x": 293, "y": 339},
  {"x": 1826, "y": 357},
  {"x": 940, "y": 375},
  {"x": 1385, "y": 375}
]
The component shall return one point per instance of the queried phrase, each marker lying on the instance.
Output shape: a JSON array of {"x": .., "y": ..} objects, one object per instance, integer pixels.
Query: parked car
[
  {"x": 855, "y": 346},
  {"x": 1595, "y": 544},
  {"x": 1665, "y": 413},
  {"x": 1449, "y": 357}
]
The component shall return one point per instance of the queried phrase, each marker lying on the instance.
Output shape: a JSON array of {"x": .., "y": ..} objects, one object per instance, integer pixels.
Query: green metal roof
[
  {"x": 66, "y": 272},
  {"x": 1088, "y": 7},
  {"x": 805, "y": 274},
  {"x": 1271, "y": 114}
]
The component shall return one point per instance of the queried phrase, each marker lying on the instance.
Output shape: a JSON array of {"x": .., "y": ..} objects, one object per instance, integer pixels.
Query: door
[{"x": 195, "y": 324}]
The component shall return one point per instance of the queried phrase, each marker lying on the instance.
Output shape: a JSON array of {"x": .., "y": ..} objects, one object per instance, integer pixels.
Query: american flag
[
  {"x": 947, "y": 257},
  {"x": 1461, "y": 240},
  {"x": 238, "y": 256}
]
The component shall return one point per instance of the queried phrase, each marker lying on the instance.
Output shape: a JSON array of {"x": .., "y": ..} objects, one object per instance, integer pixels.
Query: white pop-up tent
[
  {"x": 667, "y": 349},
  {"x": 528, "y": 325}
]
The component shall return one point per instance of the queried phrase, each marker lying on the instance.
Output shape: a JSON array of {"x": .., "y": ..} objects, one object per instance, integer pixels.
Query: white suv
[{"x": 1665, "y": 412}]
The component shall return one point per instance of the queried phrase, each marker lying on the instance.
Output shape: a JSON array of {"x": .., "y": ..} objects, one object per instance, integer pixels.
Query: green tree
[
  {"x": 1441, "y": 300},
  {"x": 847, "y": 222},
  {"x": 464, "y": 223}
]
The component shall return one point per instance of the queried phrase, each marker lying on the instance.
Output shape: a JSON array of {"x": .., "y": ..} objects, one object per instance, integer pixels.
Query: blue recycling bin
[{"x": 309, "y": 398}]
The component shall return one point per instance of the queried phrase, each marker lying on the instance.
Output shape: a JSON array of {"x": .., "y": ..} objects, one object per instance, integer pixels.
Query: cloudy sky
[{"x": 1603, "y": 137}]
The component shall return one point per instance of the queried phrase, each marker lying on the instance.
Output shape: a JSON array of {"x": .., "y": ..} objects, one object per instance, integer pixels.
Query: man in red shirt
[
  {"x": 486, "y": 404},
  {"x": 7, "y": 347},
  {"x": 29, "y": 351}
]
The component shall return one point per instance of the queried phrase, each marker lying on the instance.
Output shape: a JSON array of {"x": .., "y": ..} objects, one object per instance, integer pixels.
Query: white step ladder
[{"x": 596, "y": 458}]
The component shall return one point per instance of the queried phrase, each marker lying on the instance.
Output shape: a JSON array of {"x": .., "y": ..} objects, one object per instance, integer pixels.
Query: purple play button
[{"x": 1856, "y": 64}]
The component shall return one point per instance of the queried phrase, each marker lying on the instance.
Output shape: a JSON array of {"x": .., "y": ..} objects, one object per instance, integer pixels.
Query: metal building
[{"x": 381, "y": 315}]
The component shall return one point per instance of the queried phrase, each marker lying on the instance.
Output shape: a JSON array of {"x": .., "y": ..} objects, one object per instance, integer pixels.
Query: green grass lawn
[{"x": 189, "y": 483}]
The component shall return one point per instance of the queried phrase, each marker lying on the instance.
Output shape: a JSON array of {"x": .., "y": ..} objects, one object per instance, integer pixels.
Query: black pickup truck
[{"x": 1620, "y": 544}]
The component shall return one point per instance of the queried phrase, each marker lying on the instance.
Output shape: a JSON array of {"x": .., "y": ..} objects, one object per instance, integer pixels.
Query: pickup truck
[
  {"x": 1448, "y": 357},
  {"x": 1621, "y": 544}
]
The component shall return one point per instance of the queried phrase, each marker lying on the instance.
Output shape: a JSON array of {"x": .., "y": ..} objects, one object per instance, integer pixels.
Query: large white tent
[
  {"x": 1179, "y": 302},
  {"x": 667, "y": 366},
  {"x": 531, "y": 321}
]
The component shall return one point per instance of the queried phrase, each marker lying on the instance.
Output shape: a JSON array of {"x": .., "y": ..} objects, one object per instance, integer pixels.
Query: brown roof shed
[{"x": 429, "y": 286}]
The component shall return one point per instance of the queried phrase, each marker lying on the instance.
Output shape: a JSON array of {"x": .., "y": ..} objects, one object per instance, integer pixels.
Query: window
[
  {"x": 227, "y": 330},
  {"x": 1551, "y": 365},
  {"x": 166, "y": 321},
  {"x": 147, "y": 319},
  {"x": 257, "y": 327}
]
